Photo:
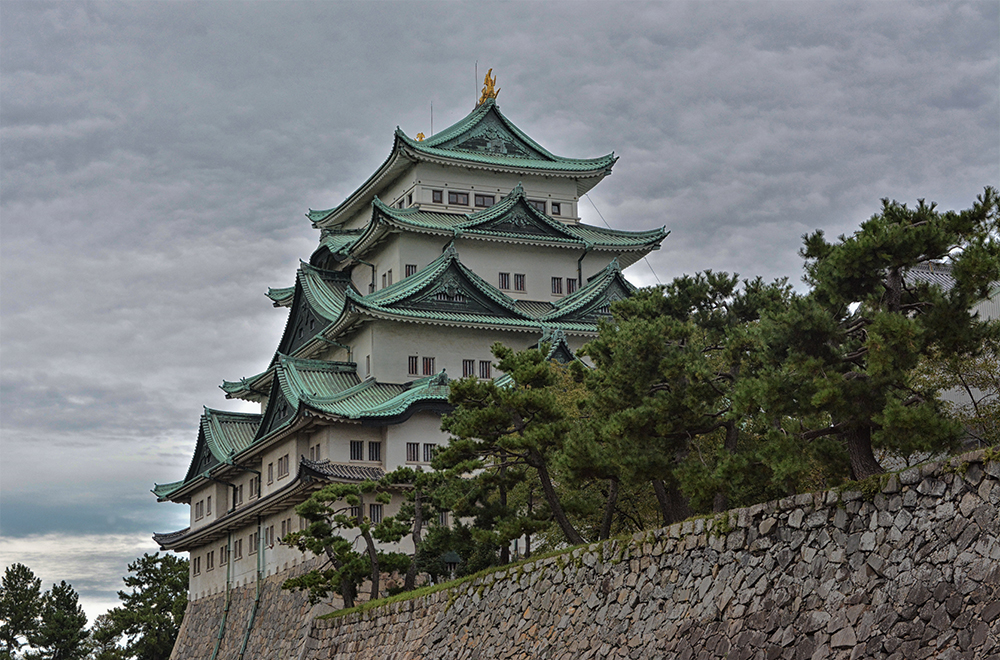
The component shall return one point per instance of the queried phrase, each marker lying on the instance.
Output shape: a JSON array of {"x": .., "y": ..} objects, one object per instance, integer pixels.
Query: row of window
[
  {"x": 203, "y": 508},
  {"x": 557, "y": 285},
  {"x": 358, "y": 451},
  {"x": 481, "y": 200},
  {"x": 413, "y": 452},
  {"x": 414, "y": 361},
  {"x": 485, "y": 369}
]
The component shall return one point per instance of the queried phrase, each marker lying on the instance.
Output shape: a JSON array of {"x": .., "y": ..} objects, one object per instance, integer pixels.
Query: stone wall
[{"x": 909, "y": 569}]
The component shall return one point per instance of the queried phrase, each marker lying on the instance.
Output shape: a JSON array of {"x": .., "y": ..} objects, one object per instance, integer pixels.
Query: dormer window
[
  {"x": 459, "y": 198},
  {"x": 485, "y": 201}
]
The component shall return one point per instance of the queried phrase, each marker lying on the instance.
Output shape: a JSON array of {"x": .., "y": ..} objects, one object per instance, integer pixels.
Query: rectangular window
[
  {"x": 253, "y": 541},
  {"x": 355, "y": 512},
  {"x": 374, "y": 451},
  {"x": 368, "y": 365},
  {"x": 412, "y": 365},
  {"x": 556, "y": 208},
  {"x": 484, "y": 201},
  {"x": 409, "y": 199},
  {"x": 238, "y": 496},
  {"x": 210, "y": 560},
  {"x": 411, "y": 269},
  {"x": 468, "y": 368},
  {"x": 270, "y": 473},
  {"x": 458, "y": 198},
  {"x": 485, "y": 368},
  {"x": 208, "y": 505},
  {"x": 199, "y": 510},
  {"x": 437, "y": 196},
  {"x": 375, "y": 512},
  {"x": 196, "y": 566},
  {"x": 570, "y": 285},
  {"x": 400, "y": 205},
  {"x": 389, "y": 273},
  {"x": 238, "y": 549},
  {"x": 283, "y": 466},
  {"x": 313, "y": 452},
  {"x": 302, "y": 524},
  {"x": 505, "y": 281},
  {"x": 223, "y": 555},
  {"x": 383, "y": 280},
  {"x": 429, "y": 452},
  {"x": 254, "y": 487},
  {"x": 284, "y": 529},
  {"x": 537, "y": 204},
  {"x": 443, "y": 518},
  {"x": 412, "y": 452},
  {"x": 429, "y": 366},
  {"x": 557, "y": 285},
  {"x": 269, "y": 536},
  {"x": 519, "y": 282},
  {"x": 357, "y": 450}
]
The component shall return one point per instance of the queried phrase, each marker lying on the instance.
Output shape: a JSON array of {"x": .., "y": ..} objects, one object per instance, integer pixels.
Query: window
[
  {"x": 485, "y": 367},
  {"x": 505, "y": 281},
  {"x": 269, "y": 536},
  {"x": 468, "y": 368},
  {"x": 556, "y": 208},
  {"x": 374, "y": 451},
  {"x": 375, "y": 512},
  {"x": 314, "y": 454},
  {"x": 355, "y": 512},
  {"x": 253, "y": 541},
  {"x": 458, "y": 198},
  {"x": 254, "y": 487},
  {"x": 283, "y": 467},
  {"x": 238, "y": 496},
  {"x": 400, "y": 205},
  {"x": 210, "y": 560},
  {"x": 383, "y": 280},
  {"x": 389, "y": 273},
  {"x": 409, "y": 199},
  {"x": 429, "y": 366},
  {"x": 199, "y": 509},
  {"x": 208, "y": 505},
  {"x": 429, "y": 452},
  {"x": 484, "y": 201},
  {"x": 412, "y": 452},
  {"x": 412, "y": 365},
  {"x": 286, "y": 528},
  {"x": 368, "y": 365},
  {"x": 196, "y": 566},
  {"x": 519, "y": 282},
  {"x": 437, "y": 196},
  {"x": 443, "y": 518},
  {"x": 570, "y": 285},
  {"x": 302, "y": 524},
  {"x": 270, "y": 473},
  {"x": 557, "y": 285},
  {"x": 357, "y": 450},
  {"x": 238, "y": 549},
  {"x": 223, "y": 555},
  {"x": 411, "y": 269},
  {"x": 537, "y": 204}
]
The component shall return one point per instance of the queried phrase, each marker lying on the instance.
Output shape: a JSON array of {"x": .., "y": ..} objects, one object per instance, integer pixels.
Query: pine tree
[
  {"x": 20, "y": 606},
  {"x": 151, "y": 611},
  {"x": 62, "y": 632}
]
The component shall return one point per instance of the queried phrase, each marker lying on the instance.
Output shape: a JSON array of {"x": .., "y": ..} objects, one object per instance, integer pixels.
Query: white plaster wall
[{"x": 423, "y": 428}]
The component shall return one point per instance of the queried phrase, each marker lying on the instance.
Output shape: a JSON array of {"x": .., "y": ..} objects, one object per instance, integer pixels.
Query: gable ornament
[{"x": 489, "y": 89}]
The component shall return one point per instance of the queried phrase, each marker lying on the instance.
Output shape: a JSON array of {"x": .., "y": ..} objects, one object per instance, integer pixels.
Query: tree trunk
[
  {"x": 552, "y": 498},
  {"x": 505, "y": 550},
  {"x": 721, "y": 501},
  {"x": 370, "y": 544},
  {"x": 859, "y": 449},
  {"x": 609, "y": 510},
  {"x": 673, "y": 505},
  {"x": 346, "y": 586},
  {"x": 418, "y": 522}
]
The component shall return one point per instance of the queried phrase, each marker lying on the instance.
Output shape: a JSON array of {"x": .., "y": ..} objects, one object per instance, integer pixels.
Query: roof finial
[
  {"x": 488, "y": 88},
  {"x": 420, "y": 137}
]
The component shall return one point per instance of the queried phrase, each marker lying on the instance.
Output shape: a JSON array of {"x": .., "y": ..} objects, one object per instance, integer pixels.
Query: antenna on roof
[
  {"x": 477, "y": 77},
  {"x": 432, "y": 117}
]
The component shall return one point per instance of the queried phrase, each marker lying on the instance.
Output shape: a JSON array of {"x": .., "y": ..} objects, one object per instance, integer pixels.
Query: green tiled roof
[
  {"x": 338, "y": 242},
  {"x": 487, "y": 136},
  {"x": 162, "y": 491},
  {"x": 281, "y": 297},
  {"x": 602, "y": 289},
  {"x": 220, "y": 435},
  {"x": 251, "y": 388}
]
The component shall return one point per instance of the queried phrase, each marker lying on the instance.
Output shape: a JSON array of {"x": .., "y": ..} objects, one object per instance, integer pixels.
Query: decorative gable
[
  {"x": 513, "y": 216},
  {"x": 452, "y": 291},
  {"x": 279, "y": 411},
  {"x": 491, "y": 136}
]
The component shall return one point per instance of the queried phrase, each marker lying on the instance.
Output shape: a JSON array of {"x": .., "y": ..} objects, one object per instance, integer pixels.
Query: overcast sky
[{"x": 157, "y": 160}]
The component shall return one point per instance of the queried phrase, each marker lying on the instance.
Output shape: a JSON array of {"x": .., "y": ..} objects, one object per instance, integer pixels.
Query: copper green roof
[
  {"x": 511, "y": 219},
  {"x": 485, "y": 139},
  {"x": 594, "y": 299},
  {"x": 281, "y": 297}
]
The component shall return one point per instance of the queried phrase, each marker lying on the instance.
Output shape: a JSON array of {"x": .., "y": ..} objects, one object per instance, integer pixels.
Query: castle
[{"x": 459, "y": 240}]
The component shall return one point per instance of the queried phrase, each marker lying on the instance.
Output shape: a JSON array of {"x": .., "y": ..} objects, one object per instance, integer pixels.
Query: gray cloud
[{"x": 158, "y": 158}]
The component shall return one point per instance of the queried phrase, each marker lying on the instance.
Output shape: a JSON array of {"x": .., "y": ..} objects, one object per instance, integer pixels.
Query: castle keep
[{"x": 469, "y": 237}]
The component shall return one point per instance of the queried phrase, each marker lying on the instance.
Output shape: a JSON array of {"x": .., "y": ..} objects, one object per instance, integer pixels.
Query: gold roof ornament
[
  {"x": 488, "y": 89},
  {"x": 420, "y": 137}
]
